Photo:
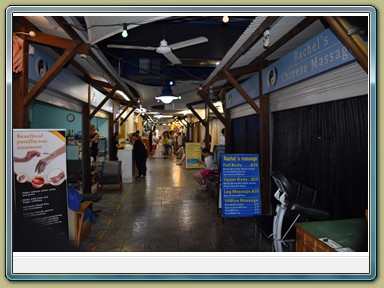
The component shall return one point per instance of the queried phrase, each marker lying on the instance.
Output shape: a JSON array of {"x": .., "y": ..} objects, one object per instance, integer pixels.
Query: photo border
[{"x": 199, "y": 9}]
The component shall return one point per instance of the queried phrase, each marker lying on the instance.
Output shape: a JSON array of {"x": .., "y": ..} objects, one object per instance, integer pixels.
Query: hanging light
[
  {"x": 166, "y": 95},
  {"x": 30, "y": 33},
  {"x": 125, "y": 31}
]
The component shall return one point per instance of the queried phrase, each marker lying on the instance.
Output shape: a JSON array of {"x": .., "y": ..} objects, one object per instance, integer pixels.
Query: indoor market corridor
[{"x": 166, "y": 213}]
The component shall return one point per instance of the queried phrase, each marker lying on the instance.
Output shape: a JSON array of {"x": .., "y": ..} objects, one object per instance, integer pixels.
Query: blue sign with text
[
  {"x": 322, "y": 53},
  {"x": 240, "y": 185}
]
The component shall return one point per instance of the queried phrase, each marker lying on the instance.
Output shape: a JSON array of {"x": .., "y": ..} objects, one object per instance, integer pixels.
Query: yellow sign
[{"x": 193, "y": 155}]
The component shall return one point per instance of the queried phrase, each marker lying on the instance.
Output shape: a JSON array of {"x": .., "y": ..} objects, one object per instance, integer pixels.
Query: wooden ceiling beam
[
  {"x": 212, "y": 107},
  {"x": 243, "y": 92},
  {"x": 197, "y": 115},
  {"x": 106, "y": 98},
  {"x": 283, "y": 40},
  {"x": 121, "y": 114},
  {"x": 101, "y": 84},
  {"x": 353, "y": 42},
  {"x": 126, "y": 117},
  {"x": 59, "y": 42},
  {"x": 244, "y": 48},
  {"x": 51, "y": 73},
  {"x": 74, "y": 35}
]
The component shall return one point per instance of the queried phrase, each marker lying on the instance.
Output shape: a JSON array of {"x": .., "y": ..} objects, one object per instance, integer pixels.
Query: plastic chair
[{"x": 110, "y": 174}]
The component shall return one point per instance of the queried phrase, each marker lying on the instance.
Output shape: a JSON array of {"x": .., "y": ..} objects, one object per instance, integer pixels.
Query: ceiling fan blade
[
  {"x": 131, "y": 47},
  {"x": 172, "y": 57},
  {"x": 187, "y": 43}
]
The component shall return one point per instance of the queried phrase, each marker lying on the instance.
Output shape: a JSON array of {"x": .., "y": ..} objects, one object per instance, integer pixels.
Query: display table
[
  {"x": 332, "y": 236},
  {"x": 125, "y": 156}
]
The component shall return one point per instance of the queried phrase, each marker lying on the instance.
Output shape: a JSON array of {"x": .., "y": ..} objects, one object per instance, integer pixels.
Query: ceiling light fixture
[
  {"x": 225, "y": 19},
  {"x": 166, "y": 95},
  {"x": 125, "y": 31},
  {"x": 266, "y": 38},
  {"x": 30, "y": 33},
  {"x": 122, "y": 94},
  {"x": 162, "y": 116}
]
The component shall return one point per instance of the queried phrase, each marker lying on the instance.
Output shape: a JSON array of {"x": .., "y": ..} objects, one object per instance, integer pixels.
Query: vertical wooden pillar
[
  {"x": 110, "y": 134},
  {"x": 19, "y": 90},
  {"x": 265, "y": 155},
  {"x": 207, "y": 142},
  {"x": 228, "y": 129},
  {"x": 17, "y": 102},
  {"x": 86, "y": 155}
]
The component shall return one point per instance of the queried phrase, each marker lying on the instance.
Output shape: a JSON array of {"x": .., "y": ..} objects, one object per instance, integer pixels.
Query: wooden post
[
  {"x": 86, "y": 155},
  {"x": 265, "y": 155},
  {"x": 207, "y": 142}
]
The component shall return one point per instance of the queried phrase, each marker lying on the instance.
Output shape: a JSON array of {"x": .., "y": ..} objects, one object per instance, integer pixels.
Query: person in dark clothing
[
  {"x": 114, "y": 146},
  {"x": 150, "y": 141},
  {"x": 94, "y": 139},
  {"x": 140, "y": 155}
]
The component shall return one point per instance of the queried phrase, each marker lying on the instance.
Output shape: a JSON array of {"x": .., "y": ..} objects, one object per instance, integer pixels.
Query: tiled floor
[{"x": 165, "y": 213}]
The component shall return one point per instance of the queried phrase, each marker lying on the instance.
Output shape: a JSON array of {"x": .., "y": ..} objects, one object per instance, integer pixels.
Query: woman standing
[{"x": 94, "y": 144}]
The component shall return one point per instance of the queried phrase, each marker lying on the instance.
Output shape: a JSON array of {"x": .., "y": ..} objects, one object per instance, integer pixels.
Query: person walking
[{"x": 140, "y": 155}]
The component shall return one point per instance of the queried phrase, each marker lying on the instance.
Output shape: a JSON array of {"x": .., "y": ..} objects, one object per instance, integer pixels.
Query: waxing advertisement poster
[{"x": 39, "y": 166}]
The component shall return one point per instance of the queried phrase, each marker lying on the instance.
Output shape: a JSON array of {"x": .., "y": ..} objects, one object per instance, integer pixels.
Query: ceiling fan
[{"x": 164, "y": 48}]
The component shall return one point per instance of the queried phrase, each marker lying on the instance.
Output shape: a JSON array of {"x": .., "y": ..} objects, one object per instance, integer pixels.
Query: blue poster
[{"x": 240, "y": 185}]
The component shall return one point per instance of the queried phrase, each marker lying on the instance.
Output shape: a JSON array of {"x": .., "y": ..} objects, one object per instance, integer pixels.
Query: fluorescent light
[
  {"x": 163, "y": 116},
  {"x": 122, "y": 95}
]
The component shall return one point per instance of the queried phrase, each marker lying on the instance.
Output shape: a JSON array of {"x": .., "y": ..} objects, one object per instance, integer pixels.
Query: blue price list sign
[{"x": 240, "y": 185}]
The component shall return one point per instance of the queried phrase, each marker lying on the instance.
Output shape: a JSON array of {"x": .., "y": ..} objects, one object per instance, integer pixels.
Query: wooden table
[{"x": 332, "y": 236}]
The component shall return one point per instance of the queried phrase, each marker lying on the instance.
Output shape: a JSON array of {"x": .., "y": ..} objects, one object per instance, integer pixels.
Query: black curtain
[
  {"x": 325, "y": 146},
  {"x": 246, "y": 135}
]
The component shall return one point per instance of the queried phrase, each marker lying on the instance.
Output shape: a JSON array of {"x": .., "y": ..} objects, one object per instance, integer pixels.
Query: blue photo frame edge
[{"x": 204, "y": 9}]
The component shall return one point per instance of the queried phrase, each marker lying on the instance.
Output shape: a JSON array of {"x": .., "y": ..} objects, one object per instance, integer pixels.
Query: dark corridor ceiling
[
  {"x": 198, "y": 61},
  {"x": 145, "y": 71}
]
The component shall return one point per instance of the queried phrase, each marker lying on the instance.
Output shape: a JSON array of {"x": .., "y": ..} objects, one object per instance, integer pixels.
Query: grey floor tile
[{"x": 165, "y": 213}]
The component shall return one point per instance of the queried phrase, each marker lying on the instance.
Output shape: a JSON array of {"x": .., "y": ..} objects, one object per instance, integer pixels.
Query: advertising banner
[
  {"x": 322, "y": 53},
  {"x": 318, "y": 55},
  {"x": 40, "y": 185},
  {"x": 240, "y": 185},
  {"x": 193, "y": 155}
]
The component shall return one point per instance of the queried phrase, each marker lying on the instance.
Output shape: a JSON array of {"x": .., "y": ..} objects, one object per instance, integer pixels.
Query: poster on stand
[
  {"x": 40, "y": 178},
  {"x": 193, "y": 155},
  {"x": 240, "y": 185}
]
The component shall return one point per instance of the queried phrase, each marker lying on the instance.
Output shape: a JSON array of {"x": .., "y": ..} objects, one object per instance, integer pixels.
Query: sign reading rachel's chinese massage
[
  {"x": 321, "y": 53},
  {"x": 40, "y": 185},
  {"x": 240, "y": 185}
]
